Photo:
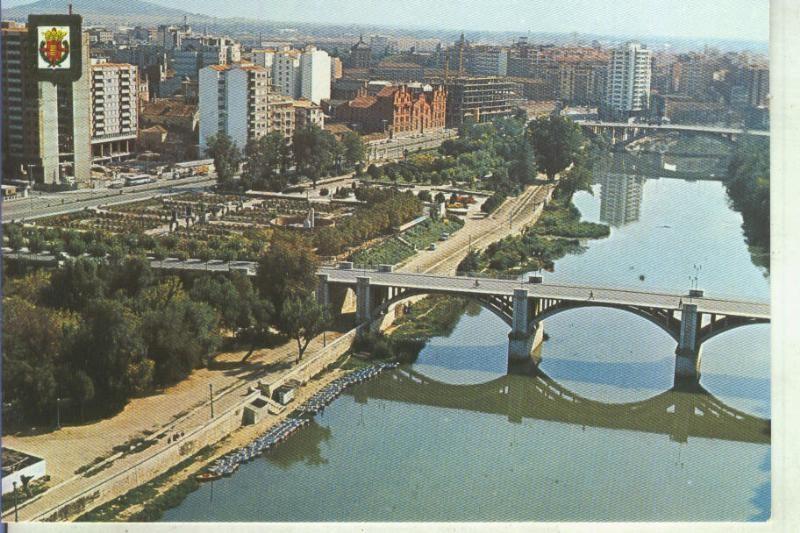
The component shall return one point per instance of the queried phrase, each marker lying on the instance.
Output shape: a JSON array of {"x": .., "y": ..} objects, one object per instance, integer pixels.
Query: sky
[{"x": 746, "y": 20}]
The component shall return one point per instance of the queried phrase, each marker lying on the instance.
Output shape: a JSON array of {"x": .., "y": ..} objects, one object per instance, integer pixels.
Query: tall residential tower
[{"x": 628, "y": 82}]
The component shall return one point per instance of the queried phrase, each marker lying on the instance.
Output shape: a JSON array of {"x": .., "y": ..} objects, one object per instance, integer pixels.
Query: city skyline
[{"x": 738, "y": 20}]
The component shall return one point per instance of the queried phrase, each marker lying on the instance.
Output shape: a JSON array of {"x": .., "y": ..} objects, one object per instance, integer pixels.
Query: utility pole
[{"x": 211, "y": 398}]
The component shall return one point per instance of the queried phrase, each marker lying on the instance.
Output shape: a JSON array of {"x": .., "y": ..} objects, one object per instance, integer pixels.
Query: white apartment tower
[
  {"x": 315, "y": 75},
  {"x": 298, "y": 73},
  {"x": 628, "y": 81},
  {"x": 234, "y": 100}
]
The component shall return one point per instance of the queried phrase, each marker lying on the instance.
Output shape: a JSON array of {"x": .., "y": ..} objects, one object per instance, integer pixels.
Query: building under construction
[{"x": 480, "y": 98}]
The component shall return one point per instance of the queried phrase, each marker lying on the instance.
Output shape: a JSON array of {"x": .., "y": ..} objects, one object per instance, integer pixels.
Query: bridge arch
[
  {"x": 500, "y": 306},
  {"x": 725, "y": 324},
  {"x": 661, "y": 318}
]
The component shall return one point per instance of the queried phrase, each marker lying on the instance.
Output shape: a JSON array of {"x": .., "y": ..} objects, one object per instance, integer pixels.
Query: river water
[{"x": 598, "y": 434}]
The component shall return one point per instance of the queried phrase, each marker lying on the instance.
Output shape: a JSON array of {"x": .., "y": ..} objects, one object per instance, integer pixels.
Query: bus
[{"x": 140, "y": 179}]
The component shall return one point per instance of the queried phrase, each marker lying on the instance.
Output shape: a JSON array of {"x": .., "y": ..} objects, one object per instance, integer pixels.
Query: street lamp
[
  {"x": 58, "y": 413},
  {"x": 16, "y": 512},
  {"x": 211, "y": 398}
]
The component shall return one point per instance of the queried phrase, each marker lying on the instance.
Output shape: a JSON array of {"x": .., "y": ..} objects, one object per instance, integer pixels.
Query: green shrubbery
[{"x": 564, "y": 220}]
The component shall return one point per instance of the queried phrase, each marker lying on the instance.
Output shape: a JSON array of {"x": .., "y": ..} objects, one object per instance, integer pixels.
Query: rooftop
[{"x": 168, "y": 108}]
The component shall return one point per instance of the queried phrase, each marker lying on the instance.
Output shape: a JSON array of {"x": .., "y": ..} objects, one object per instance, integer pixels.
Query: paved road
[
  {"x": 676, "y": 127},
  {"x": 394, "y": 148},
  {"x": 49, "y": 204}
]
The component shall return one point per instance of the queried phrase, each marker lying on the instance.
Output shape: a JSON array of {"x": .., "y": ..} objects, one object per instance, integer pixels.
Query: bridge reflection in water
[{"x": 681, "y": 412}]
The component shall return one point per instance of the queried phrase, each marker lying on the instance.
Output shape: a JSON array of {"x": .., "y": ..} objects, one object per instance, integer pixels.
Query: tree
[
  {"x": 266, "y": 162},
  {"x": 354, "y": 149},
  {"x": 179, "y": 338},
  {"x": 302, "y": 319},
  {"x": 314, "y": 151},
  {"x": 231, "y": 303},
  {"x": 226, "y": 155},
  {"x": 578, "y": 178},
  {"x": 556, "y": 142},
  {"x": 288, "y": 268},
  {"x": 471, "y": 263},
  {"x": 16, "y": 239},
  {"x": 131, "y": 277},
  {"x": 375, "y": 172},
  {"x": 33, "y": 338},
  {"x": 107, "y": 345},
  {"x": 75, "y": 285}
]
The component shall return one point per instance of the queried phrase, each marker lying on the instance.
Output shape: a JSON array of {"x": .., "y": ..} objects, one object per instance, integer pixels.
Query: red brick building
[{"x": 396, "y": 109}]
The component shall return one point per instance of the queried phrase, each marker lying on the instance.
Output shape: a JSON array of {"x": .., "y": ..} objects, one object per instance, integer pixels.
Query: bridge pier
[
  {"x": 363, "y": 300},
  {"x": 687, "y": 354},
  {"x": 522, "y": 342},
  {"x": 323, "y": 292}
]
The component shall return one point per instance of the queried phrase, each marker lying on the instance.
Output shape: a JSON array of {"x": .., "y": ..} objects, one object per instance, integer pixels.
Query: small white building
[{"x": 17, "y": 464}]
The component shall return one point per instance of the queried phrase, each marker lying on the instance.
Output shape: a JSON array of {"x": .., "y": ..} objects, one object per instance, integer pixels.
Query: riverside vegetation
[
  {"x": 748, "y": 189},
  {"x": 96, "y": 333}
]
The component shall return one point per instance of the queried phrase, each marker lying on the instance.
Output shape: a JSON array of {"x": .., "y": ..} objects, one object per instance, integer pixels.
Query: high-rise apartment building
[
  {"x": 115, "y": 110},
  {"x": 233, "y": 100},
  {"x": 487, "y": 60},
  {"x": 46, "y": 125},
  {"x": 298, "y": 73},
  {"x": 196, "y": 52},
  {"x": 315, "y": 75},
  {"x": 628, "y": 81},
  {"x": 286, "y": 72}
]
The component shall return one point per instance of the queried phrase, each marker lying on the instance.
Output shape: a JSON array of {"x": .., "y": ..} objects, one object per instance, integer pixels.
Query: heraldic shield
[{"x": 54, "y": 48}]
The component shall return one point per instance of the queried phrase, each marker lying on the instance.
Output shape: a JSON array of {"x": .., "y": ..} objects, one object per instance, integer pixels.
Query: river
[{"x": 597, "y": 435}]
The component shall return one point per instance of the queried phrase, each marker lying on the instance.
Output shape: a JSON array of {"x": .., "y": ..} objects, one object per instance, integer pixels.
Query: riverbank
[
  {"x": 147, "y": 502},
  {"x": 554, "y": 235}
]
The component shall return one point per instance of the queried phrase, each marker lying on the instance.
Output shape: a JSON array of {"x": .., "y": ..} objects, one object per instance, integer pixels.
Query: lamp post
[
  {"x": 16, "y": 512},
  {"x": 58, "y": 413},
  {"x": 211, "y": 398}
]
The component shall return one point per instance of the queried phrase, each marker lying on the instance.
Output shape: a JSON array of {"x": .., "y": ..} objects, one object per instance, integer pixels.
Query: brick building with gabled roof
[{"x": 396, "y": 109}]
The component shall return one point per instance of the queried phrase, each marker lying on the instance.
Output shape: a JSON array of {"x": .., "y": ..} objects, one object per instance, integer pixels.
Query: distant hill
[{"x": 105, "y": 11}]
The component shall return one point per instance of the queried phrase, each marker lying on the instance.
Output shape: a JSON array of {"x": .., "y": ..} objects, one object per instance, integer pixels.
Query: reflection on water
[
  {"x": 621, "y": 191},
  {"x": 598, "y": 433}
]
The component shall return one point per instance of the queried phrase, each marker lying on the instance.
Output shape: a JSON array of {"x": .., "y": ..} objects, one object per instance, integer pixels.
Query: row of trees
[
  {"x": 386, "y": 209},
  {"x": 313, "y": 153},
  {"x": 748, "y": 189}
]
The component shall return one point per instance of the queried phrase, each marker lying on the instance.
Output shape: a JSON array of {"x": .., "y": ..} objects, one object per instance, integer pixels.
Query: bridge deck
[
  {"x": 676, "y": 127},
  {"x": 577, "y": 293}
]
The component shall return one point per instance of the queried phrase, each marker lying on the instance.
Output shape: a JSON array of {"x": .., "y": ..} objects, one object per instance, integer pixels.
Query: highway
[{"x": 49, "y": 204}]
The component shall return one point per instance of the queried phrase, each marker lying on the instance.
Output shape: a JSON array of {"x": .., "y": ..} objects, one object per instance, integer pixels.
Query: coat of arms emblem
[{"x": 54, "y": 47}]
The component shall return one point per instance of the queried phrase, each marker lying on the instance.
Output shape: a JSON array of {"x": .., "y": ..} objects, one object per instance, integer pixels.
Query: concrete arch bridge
[{"x": 524, "y": 306}]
